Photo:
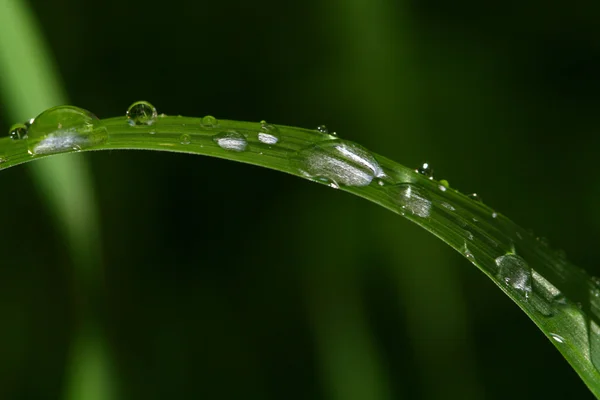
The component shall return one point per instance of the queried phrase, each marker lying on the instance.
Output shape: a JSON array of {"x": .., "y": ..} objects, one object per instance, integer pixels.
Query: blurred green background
[{"x": 222, "y": 280}]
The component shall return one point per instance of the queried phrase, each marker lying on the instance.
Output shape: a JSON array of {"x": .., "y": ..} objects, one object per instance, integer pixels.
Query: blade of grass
[
  {"x": 30, "y": 84},
  {"x": 561, "y": 299}
]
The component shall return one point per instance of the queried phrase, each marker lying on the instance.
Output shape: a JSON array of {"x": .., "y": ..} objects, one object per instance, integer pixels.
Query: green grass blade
[
  {"x": 560, "y": 298},
  {"x": 30, "y": 84}
]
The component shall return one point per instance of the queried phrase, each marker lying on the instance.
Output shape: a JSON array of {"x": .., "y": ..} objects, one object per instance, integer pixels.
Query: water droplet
[
  {"x": 185, "y": 139},
  {"x": 557, "y": 338},
  {"x": 445, "y": 183},
  {"x": 141, "y": 113},
  {"x": 448, "y": 206},
  {"x": 231, "y": 140},
  {"x": 380, "y": 182},
  {"x": 338, "y": 161},
  {"x": 268, "y": 133},
  {"x": 64, "y": 128},
  {"x": 209, "y": 121},
  {"x": 322, "y": 129},
  {"x": 494, "y": 214},
  {"x": 469, "y": 235},
  {"x": 515, "y": 272},
  {"x": 413, "y": 199},
  {"x": 426, "y": 170},
  {"x": 475, "y": 197},
  {"x": 467, "y": 253},
  {"x": 18, "y": 131}
]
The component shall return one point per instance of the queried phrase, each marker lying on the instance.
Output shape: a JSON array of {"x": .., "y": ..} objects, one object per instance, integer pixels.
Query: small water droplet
[
  {"x": 425, "y": 170},
  {"x": 18, "y": 131},
  {"x": 380, "y": 182},
  {"x": 269, "y": 134},
  {"x": 231, "y": 140},
  {"x": 445, "y": 183},
  {"x": 342, "y": 162},
  {"x": 185, "y": 139},
  {"x": 322, "y": 129},
  {"x": 448, "y": 206},
  {"x": 468, "y": 254},
  {"x": 557, "y": 338},
  {"x": 515, "y": 272},
  {"x": 469, "y": 235},
  {"x": 209, "y": 121},
  {"x": 64, "y": 128},
  {"x": 141, "y": 113},
  {"x": 475, "y": 197},
  {"x": 413, "y": 199},
  {"x": 494, "y": 214}
]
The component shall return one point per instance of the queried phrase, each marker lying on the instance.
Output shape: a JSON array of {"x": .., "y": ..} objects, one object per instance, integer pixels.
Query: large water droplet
[
  {"x": 515, "y": 272},
  {"x": 141, "y": 113},
  {"x": 209, "y": 121},
  {"x": 413, "y": 199},
  {"x": 18, "y": 131},
  {"x": 426, "y": 170},
  {"x": 64, "y": 128},
  {"x": 269, "y": 134},
  {"x": 339, "y": 162},
  {"x": 231, "y": 140}
]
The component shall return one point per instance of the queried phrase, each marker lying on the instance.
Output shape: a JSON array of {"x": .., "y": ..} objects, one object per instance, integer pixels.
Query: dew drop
[
  {"x": 185, "y": 139},
  {"x": 515, "y": 272},
  {"x": 475, "y": 197},
  {"x": 209, "y": 121},
  {"x": 425, "y": 170},
  {"x": 494, "y": 214},
  {"x": 64, "y": 128},
  {"x": 268, "y": 134},
  {"x": 141, "y": 113},
  {"x": 338, "y": 161},
  {"x": 448, "y": 206},
  {"x": 557, "y": 338},
  {"x": 414, "y": 200},
  {"x": 231, "y": 140},
  {"x": 468, "y": 254},
  {"x": 322, "y": 129},
  {"x": 18, "y": 131}
]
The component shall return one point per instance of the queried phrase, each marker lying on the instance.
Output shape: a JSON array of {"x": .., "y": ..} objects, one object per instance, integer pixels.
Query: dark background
[{"x": 225, "y": 280}]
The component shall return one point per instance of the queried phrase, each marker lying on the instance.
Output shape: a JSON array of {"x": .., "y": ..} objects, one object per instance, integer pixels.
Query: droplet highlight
[
  {"x": 322, "y": 129},
  {"x": 338, "y": 162},
  {"x": 141, "y": 113},
  {"x": 231, "y": 140}
]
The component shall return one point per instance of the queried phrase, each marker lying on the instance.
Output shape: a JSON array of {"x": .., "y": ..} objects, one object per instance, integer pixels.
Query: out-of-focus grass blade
[
  {"x": 30, "y": 84},
  {"x": 376, "y": 42}
]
